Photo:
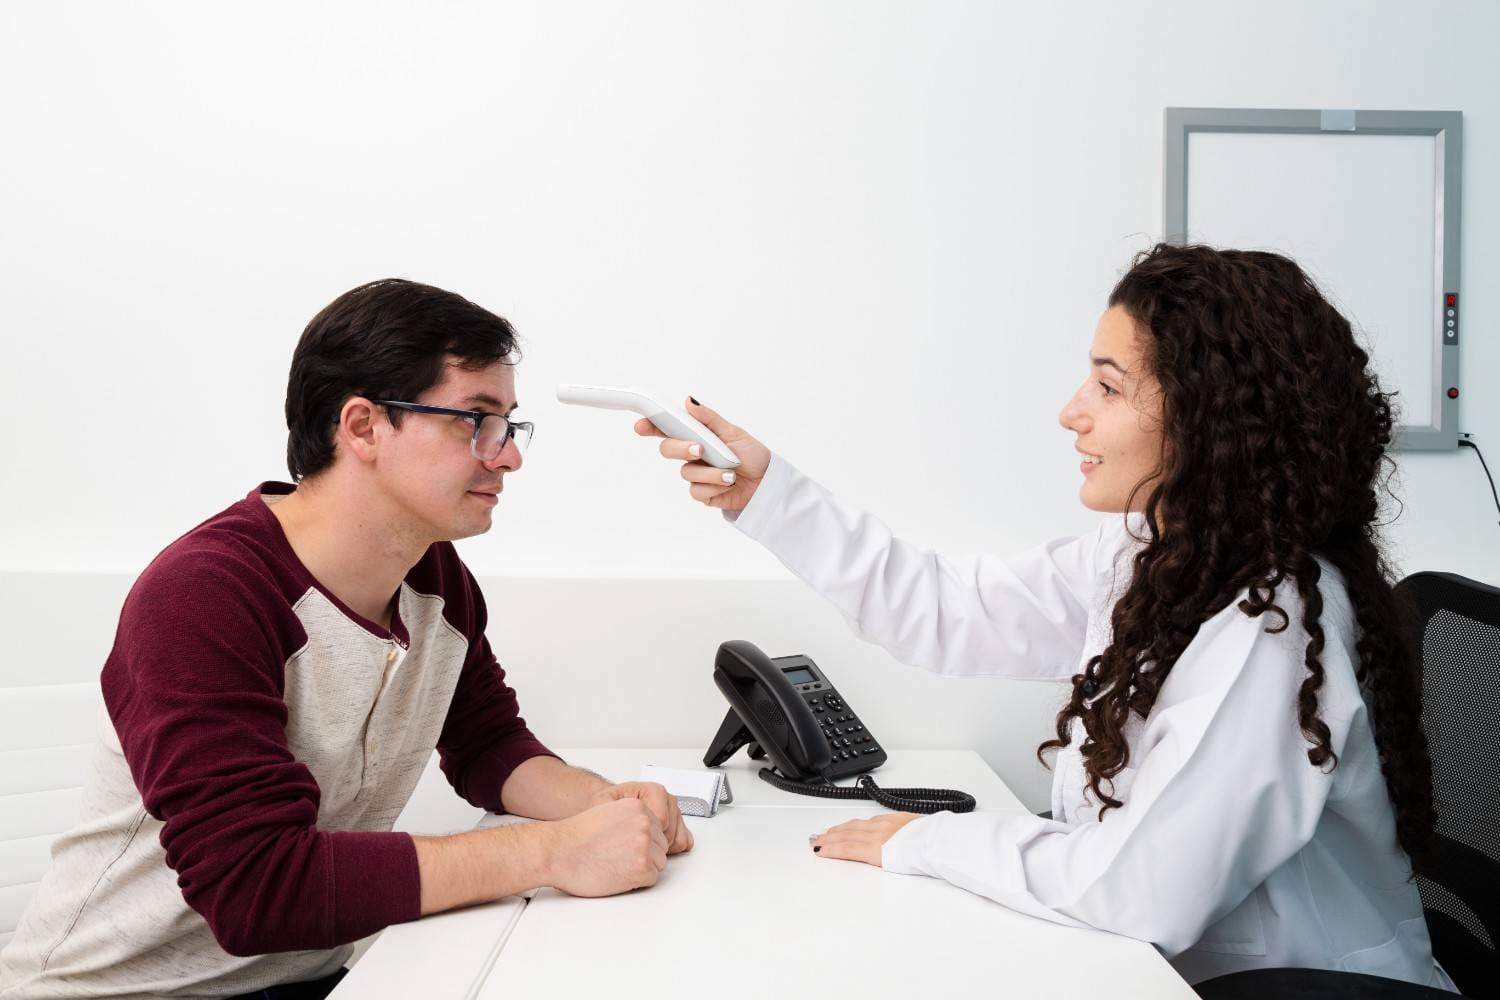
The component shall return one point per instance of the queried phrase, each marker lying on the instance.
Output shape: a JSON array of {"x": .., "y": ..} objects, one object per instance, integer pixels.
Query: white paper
[{"x": 698, "y": 792}]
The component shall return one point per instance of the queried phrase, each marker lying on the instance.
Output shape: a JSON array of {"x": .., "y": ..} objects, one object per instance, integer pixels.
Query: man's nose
[{"x": 509, "y": 458}]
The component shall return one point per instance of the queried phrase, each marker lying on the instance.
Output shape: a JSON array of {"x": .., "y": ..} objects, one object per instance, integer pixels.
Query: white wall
[{"x": 877, "y": 234}]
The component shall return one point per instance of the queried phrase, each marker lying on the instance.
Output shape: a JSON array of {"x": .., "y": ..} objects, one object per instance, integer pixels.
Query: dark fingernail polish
[
  {"x": 816, "y": 849},
  {"x": 694, "y": 401}
]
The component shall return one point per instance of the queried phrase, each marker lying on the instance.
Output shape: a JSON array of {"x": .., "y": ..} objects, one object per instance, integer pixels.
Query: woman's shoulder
[
  {"x": 1335, "y": 616},
  {"x": 1260, "y": 660},
  {"x": 1118, "y": 538},
  {"x": 1287, "y": 628}
]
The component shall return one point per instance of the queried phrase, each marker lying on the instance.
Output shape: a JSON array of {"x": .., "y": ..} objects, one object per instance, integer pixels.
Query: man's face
[
  {"x": 427, "y": 468},
  {"x": 1116, "y": 415}
]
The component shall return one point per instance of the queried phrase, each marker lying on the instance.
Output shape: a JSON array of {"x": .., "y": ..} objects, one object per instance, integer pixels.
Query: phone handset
[
  {"x": 765, "y": 709},
  {"x": 786, "y": 709}
]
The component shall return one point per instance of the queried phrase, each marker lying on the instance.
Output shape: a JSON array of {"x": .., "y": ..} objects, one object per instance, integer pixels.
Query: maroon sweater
[{"x": 239, "y": 688}]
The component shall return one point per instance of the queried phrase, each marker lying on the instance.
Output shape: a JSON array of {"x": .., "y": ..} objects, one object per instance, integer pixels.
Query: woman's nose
[{"x": 1073, "y": 417}]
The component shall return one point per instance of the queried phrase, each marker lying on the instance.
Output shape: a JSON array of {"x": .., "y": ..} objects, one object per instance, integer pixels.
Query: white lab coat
[{"x": 1231, "y": 851}]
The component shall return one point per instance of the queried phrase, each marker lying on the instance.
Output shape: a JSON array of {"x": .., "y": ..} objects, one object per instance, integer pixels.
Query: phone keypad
[{"x": 852, "y": 747}]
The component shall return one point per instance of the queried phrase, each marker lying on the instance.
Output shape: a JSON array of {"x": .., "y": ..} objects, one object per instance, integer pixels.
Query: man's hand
[
  {"x": 613, "y": 845},
  {"x": 611, "y": 848},
  {"x": 663, "y": 806}
]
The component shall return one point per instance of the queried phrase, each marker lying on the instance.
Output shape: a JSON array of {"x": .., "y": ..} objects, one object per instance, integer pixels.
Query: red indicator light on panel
[
  {"x": 1453, "y": 393},
  {"x": 1451, "y": 299}
]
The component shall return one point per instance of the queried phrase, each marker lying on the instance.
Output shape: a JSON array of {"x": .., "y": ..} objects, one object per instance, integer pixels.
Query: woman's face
[{"x": 1116, "y": 415}]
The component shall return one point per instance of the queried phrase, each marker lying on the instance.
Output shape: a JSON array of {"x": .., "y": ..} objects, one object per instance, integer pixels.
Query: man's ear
[{"x": 357, "y": 424}]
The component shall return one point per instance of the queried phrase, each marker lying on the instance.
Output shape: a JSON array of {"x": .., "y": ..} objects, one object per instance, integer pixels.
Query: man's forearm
[
  {"x": 546, "y": 788},
  {"x": 481, "y": 865}
]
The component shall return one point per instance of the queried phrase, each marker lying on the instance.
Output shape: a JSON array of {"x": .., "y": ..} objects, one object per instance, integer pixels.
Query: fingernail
[
  {"x": 816, "y": 849},
  {"x": 728, "y": 477},
  {"x": 694, "y": 401},
  {"x": 695, "y": 450}
]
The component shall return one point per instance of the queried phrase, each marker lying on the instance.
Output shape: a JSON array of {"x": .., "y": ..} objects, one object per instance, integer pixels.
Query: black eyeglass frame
[{"x": 477, "y": 416}]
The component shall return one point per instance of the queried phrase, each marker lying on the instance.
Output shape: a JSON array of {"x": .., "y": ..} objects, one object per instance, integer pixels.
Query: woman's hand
[
  {"x": 724, "y": 489},
  {"x": 861, "y": 839}
]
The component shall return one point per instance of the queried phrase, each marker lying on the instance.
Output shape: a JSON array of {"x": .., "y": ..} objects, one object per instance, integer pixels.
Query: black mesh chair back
[{"x": 1459, "y": 621}]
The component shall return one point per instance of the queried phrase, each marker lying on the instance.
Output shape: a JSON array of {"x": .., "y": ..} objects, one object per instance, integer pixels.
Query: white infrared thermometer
[{"x": 670, "y": 421}]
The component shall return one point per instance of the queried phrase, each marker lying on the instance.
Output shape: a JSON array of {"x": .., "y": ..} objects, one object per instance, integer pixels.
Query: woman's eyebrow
[{"x": 1111, "y": 362}]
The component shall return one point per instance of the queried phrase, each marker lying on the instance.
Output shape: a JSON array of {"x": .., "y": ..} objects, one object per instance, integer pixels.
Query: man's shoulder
[
  {"x": 220, "y": 598},
  {"x": 238, "y": 551}
]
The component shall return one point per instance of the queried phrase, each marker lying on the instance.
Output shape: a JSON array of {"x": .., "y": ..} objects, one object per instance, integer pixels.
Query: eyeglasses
[{"x": 491, "y": 430}]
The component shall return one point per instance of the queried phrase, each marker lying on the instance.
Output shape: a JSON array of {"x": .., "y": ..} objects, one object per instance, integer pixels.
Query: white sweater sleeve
[
  {"x": 1023, "y": 616},
  {"x": 1220, "y": 794}
]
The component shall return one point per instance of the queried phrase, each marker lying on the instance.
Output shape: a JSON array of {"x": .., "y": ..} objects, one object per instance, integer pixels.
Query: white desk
[{"x": 752, "y": 912}]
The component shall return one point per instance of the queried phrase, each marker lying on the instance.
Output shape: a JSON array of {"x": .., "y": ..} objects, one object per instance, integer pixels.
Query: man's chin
[
  {"x": 476, "y": 516},
  {"x": 471, "y": 527}
]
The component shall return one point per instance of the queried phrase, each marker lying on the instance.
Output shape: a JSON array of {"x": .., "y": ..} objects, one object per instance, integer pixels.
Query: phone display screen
[{"x": 800, "y": 675}]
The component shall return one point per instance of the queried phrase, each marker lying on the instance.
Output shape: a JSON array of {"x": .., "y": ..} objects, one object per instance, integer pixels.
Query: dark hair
[
  {"x": 1274, "y": 437},
  {"x": 389, "y": 339}
]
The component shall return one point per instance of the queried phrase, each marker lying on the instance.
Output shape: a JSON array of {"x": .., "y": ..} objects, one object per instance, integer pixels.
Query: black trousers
[
  {"x": 1313, "y": 984},
  {"x": 315, "y": 989}
]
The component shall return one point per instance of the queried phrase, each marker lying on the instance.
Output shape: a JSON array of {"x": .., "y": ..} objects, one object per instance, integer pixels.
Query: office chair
[{"x": 1459, "y": 624}]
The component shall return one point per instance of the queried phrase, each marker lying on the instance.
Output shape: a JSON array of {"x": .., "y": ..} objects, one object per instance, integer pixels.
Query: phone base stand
[{"x": 732, "y": 734}]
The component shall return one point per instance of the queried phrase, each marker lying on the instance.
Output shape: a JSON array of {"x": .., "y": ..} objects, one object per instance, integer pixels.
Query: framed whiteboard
[{"x": 1367, "y": 202}]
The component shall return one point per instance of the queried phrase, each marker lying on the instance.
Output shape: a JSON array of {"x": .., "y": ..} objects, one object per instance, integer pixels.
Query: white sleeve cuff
[
  {"x": 978, "y": 851},
  {"x": 767, "y": 499},
  {"x": 902, "y": 854}
]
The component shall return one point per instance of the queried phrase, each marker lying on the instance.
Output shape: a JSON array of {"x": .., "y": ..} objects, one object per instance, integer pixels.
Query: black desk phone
[{"x": 786, "y": 709}]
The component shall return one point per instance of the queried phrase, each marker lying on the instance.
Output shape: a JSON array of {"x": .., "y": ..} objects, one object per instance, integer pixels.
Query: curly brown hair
[{"x": 1274, "y": 440}]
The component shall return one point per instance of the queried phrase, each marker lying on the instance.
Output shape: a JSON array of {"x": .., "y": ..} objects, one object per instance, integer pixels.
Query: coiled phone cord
[{"x": 914, "y": 800}]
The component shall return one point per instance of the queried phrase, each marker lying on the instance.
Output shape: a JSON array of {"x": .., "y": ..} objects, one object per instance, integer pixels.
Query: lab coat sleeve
[
  {"x": 1222, "y": 796},
  {"x": 1023, "y": 616}
]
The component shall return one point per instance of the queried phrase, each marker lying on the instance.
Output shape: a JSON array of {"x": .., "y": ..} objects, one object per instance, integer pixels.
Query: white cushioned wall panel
[
  {"x": 46, "y": 740},
  {"x": 25, "y": 860},
  {"x": 44, "y": 769},
  {"x": 13, "y": 900},
  {"x": 51, "y": 715}
]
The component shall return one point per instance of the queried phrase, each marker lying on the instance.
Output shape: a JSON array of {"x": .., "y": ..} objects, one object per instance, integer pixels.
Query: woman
[{"x": 1240, "y": 775}]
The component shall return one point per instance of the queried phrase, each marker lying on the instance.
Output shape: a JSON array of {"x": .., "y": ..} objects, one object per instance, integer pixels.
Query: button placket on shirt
[{"x": 391, "y": 664}]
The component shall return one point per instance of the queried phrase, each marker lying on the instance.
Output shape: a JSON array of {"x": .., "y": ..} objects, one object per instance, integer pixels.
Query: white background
[{"x": 876, "y": 234}]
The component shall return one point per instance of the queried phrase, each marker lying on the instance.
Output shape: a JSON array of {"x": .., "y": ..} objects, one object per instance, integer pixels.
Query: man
[{"x": 281, "y": 675}]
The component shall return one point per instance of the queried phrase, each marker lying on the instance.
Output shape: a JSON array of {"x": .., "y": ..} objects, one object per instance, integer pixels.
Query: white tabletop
[
  {"x": 962, "y": 769},
  {"x": 751, "y": 910}
]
